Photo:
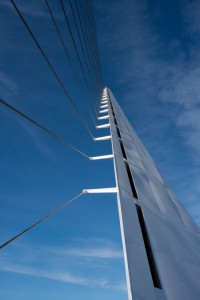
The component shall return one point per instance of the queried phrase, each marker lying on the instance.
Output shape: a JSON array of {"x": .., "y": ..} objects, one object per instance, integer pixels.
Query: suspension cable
[
  {"x": 82, "y": 22},
  {"x": 52, "y": 69},
  {"x": 69, "y": 60},
  {"x": 84, "y": 28},
  {"x": 82, "y": 48},
  {"x": 66, "y": 143},
  {"x": 93, "y": 28},
  {"x": 41, "y": 220},
  {"x": 80, "y": 41},
  {"x": 77, "y": 53},
  {"x": 85, "y": 12},
  {"x": 88, "y": 11}
]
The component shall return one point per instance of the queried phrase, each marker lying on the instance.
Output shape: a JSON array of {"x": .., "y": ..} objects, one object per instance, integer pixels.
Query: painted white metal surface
[
  {"x": 100, "y": 191},
  {"x": 173, "y": 236},
  {"x": 104, "y": 106},
  {"x": 103, "y": 111},
  {"x": 103, "y": 126},
  {"x": 103, "y": 117},
  {"x": 101, "y": 157},
  {"x": 102, "y": 138}
]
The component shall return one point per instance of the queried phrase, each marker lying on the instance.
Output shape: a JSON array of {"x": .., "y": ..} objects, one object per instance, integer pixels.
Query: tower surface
[{"x": 161, "y": 242}]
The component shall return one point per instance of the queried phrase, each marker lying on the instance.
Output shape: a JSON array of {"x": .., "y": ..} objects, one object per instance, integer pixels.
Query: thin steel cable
[
  {"x": 85, "y": 43},
  {"x": 43, "y": 128},
  {"x": 93, "y": 28},
  {"x": 83, "y": 49},
  {"x": 77, "y": 53},
  {"x": 52, "y": 69},
  {"x": 40, "y": 221},
  {"x": 101, "y": 83},
  {"x": 80, "y": 21},
  {"x": 85, "y": 35},
  {"x": 86, "y": 10},
  {"x": 86, "y": 15},
  {"x": 89, "y": 42},
  {"x": 89, "y": 11},
  {"x": 69, "y": 60}
]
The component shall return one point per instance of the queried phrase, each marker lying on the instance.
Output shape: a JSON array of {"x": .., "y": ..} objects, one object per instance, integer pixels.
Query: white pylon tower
[{"x": 161, "y": 242}]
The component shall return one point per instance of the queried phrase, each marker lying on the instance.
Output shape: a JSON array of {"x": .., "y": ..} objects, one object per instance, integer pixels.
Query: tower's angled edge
[{"x": 161, "y": 242}]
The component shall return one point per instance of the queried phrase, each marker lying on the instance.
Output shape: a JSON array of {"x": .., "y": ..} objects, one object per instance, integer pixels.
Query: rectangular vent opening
[
  {"x": 149, "y": 251},
  {"x": 118, "y": 132},
  {"x": 123, "y": 150},
  {"x": 115, "y": 121},
  {"x": 131, "y": 180}
]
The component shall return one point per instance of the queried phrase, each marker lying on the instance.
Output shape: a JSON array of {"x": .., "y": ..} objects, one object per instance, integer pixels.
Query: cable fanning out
[
  {"x": 77, "y": 53},
  {"x": 52, "y": 69},
  {"x": 70, "y": 61}
]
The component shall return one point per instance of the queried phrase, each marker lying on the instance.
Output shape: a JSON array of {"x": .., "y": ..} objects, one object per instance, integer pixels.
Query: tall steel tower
[{"x": 161, "y": 242}]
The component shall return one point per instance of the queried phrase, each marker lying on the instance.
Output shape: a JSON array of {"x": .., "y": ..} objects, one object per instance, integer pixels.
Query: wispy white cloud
[
  {"x": 58, "y": 276},
  {"x": 107, "y": 253},
  {"x": 8, "y": 82},
  {"x": 182, "y": 84},
  {"x": 80, "y": 255},
  {"x": 121, "y": 286},
  {"x": 93, "y": 248},
  {"x": 189, "y": 120},
  {"x": 191, "y": 16},
  {"x": 142, "y": 61},
  {"x": 159, "y": 78},
  {"x": 66, "y": 277},
  {"x": 68, "y": 265},
  {"x": 27, "y": 265},
  {"x": 87, "y": 248},
  {"x": 134, "y": 46}
]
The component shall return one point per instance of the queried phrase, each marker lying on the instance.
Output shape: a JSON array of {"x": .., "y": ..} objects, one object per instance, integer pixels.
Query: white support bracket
[
  {"x": 100, "y": 191},
  {"x": 101, "y": 157},
  {"x": 104, "y": 102},
  {"x": 104, "y": 117},
  {"x": 103, "y": 126},
  {"x": 104, "y": 98},
  {"x": 102, "y": 138},
  {"x": 104, "y": 106},
  {"x": 103, "y": 111}
]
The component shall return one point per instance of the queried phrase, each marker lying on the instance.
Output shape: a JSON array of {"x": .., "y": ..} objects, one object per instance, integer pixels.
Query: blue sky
[{"x": 150, "y": 59}]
